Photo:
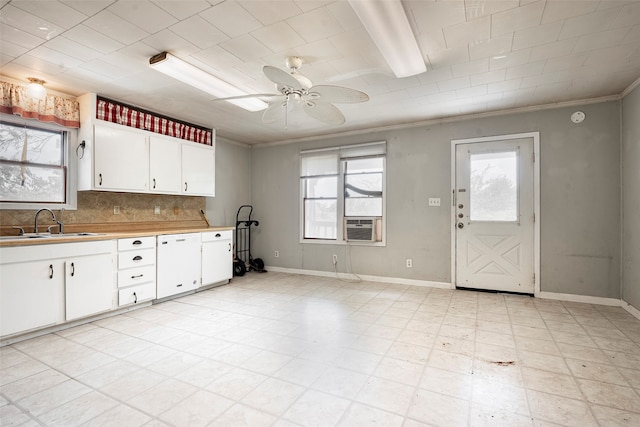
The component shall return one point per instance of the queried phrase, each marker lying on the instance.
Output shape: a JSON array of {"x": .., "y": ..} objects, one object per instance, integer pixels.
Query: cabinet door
[
  {"x": 198, "y": 170},
  {"x": 30, "y": 295},
  {"x": 89, "y": 285},
  {"x": 164, "y": 165},
  {"x": 120, "y": 159},
  {"x": 217, "y": 262}
]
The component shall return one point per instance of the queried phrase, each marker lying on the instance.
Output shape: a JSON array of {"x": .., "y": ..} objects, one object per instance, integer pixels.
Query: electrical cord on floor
[{"x": 357, "y": 279}]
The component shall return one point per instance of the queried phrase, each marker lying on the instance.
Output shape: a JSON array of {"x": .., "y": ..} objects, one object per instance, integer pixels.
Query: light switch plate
[{"x": 434, "y": 201}]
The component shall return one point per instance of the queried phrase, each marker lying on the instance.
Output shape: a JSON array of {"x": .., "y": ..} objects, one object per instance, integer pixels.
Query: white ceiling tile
[
  {"x": 61, "y": 60},
  {"x": 307, "y": 5},
  {"x": 600, "y": 40},
  {"x": 547, "y": 79},
  {"x": 214, "y": 58},
  {"x": 89, "y": 37},
  {"x": 270, "y": 12},
  {"x": 428, "y": 16},
  {"x": 167, "y": 40},
  {"x": 608, "y": 58},
  {"x": 115, "y": 27},
  {"x": 491, "y": 47},
  {"x": 505, "y": 86},
  {"x": 584, "y": 24},
  {"x": 184, "y": 8},
  {"x": 471, "y": 92},
  {"x": 18, "y": 37},
  {"x": 345, "y": 15},
  {"x": 69, "y": 47},
  {"x": 88, "y": 7},
  {"x": 315, "y": 25},
  {"x": 11, "y": 49},
  {"x": 488, "y": 77},
  {"x": 559, "y": 10},
  {"x": 347, "y": 65},
  {"x": 104, "y": 68},
  {"x": 552, "y": 50},
  {"x": 526, "y": 70},
  {"x": 479, "y": 66},
  {"x": 467, "y": 32},
  {"x": 231, "y": 19},
  {"x": 454, "y": 84},
  {"x": 245, "y": 47},
  {"x": 536, "y": 36},
  {"x": 144, "y": 14},
  {"x": 353, "y": 42},
  {"x": 567, "y": 62},
  {"x": 423, "y": 90},
  {"x": 510, "y": 59},
  {"x": 402, "y": 84},
  {"x": 520, "y": 18},
  {"x": 448, "y": 57},
  {"x": 53, "y": 11},
  {"x": 199, "y": 32},
  {"x": 435, "y": 75},
  {"x": 479, "y": 8},
  {"x": 29, "y": 23},
  {"x": 629, "y": 15},
  {"x": 278, "y": 37},
  {"x": 430, "y": 41},
  {"x": 316, "y": 51},
  {"x": 633, "y": 36}
]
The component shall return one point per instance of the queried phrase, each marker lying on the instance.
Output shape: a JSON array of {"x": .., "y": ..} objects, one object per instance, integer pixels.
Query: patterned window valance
[
  {"x": 56, "y": 109},
  {"x": 127, "y": 115}
]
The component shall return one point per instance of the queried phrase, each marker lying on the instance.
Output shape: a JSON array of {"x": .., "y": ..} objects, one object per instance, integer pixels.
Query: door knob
[{"x": 460, "y": 225}]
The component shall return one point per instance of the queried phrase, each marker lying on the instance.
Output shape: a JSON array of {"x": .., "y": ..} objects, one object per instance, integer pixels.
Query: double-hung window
[
  {"x": 33, "y": 165},
  {"x": 343, "y": 188}
]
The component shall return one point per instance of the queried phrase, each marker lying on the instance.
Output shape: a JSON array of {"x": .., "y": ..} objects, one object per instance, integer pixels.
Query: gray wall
[
  {"x": 631, "y": 198},
  {"x": 580, "y": 200},
  {"x": 233, "y": 183}
]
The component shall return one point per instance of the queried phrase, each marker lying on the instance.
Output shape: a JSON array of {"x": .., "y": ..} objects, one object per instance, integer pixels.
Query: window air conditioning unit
[{"x": 361, "y": 229}]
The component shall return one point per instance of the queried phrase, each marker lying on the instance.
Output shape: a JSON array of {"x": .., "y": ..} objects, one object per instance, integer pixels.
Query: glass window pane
[
  {"x": 319, "y": 164},
  {"x": 31, "y": 184},
  {"x": 320, "y": 219},
  {"x": 43, "y": 147},
  {"x": 365, "y": 185},
  {"x": 321, "y": 187},
  {"x": 365, "y": 165},
  {"x": 371, "y": 206},
  {"x": 493, "y": 193}
]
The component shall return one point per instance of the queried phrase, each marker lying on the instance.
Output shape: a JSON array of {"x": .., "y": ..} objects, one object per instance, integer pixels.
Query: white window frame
[
  {"x": 372, "y": 149},
  {"x": 70, "y": 161}
]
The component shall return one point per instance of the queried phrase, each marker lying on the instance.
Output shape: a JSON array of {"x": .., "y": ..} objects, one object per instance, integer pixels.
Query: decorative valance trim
[
  {"x": 53, "y": 109},
  {"x": 127, "y": 115}
]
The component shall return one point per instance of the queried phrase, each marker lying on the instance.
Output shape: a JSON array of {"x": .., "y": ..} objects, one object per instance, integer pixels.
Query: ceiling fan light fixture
[
  {"x": 36, "y": 89},
  {"x": 387, "y": 24},
  {"x": 193, "y": 76}
]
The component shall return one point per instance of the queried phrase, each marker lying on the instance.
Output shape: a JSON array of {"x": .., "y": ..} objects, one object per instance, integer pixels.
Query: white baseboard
[
  {"x": 579, "y": 298},
  {"x": 631, "y": 309},
  {"x": 346, "y": 276}
]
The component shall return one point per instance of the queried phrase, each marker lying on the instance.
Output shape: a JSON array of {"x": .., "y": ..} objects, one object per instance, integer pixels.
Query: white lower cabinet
[
  {"x": 30, "y": 294},
  {"x": 217, "y": 256},
  {"x": 136, "y": 270},
  {"x": 46, "y": 285}
]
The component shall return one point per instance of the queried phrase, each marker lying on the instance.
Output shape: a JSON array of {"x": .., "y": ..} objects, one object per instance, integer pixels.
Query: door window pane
[{"x": 493, "y": 192}]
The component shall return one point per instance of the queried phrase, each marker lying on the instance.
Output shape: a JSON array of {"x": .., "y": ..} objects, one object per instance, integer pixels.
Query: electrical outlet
[
  {"x": 277, "y": 254},
  {"x": 434, "y": 201},
  {"x": 116, "y": 210},
  {"x": 409, "y": 263},
  {"x": 335, "y": 259},
  {"x": 156, "y": 210}
]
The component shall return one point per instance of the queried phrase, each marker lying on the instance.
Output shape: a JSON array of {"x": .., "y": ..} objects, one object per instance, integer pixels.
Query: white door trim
[{"x": 536, "y": 198}]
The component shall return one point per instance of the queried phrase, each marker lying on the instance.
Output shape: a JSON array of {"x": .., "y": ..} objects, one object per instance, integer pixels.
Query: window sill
[{"x": 343, "y": 242}]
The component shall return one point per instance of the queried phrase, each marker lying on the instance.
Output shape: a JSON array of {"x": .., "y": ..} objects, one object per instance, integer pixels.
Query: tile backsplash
[{"x": 98, "y": 207}]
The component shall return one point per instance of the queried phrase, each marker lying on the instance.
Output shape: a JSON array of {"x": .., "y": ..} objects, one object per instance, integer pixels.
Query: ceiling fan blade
[
  {"x": 338, "y": 94},
  {"x": 281, "y": 77},
  {"x": 274, "y": 112},
  {"x": 324, "y": 111},
  {"x": 255, "y": 95}
]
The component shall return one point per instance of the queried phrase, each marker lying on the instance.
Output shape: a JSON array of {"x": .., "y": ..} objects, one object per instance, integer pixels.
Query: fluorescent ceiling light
[
  {"x": 388, "y": 26},
  {"x": 194, "y": 76}
]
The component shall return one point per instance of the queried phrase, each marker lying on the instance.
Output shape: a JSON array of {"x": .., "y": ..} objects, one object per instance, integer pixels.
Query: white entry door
[{"x": 494, "y": 215}]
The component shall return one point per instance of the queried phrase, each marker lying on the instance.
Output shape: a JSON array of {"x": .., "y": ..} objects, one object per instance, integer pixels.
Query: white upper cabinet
[
  {"x": 164, "y": 165},
  {"x": 198, "y": 170},
  {"x": 120, "y": 159}
]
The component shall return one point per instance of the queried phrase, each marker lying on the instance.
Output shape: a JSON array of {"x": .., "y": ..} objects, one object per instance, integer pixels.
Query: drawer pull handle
[
  {"x": 73, "y": 269},
  {"x": 50, "y": 271},
  {"x": 229, "y": 247},
  {"x": 135, "y": 300},
  {"x": 137, "y": 258},
  {"x": 154, "y": 183},
  {"x": 218, "y": 235},
  {"x": 137, "y": 277},
  {"x": 100, "y": 179},
  {"x": 186, "y": 187},
  {"x": 180, "y": 240},
  {"x": 137, "y": 242}
]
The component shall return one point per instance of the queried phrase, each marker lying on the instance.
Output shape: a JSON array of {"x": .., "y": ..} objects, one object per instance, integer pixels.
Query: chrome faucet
[{"x": 35, "y": 222}]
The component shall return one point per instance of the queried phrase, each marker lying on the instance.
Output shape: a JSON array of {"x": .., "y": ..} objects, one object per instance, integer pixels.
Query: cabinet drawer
[
  {"x": 133, "y": 276},
  {"x": 136, "y": 258},
  {"x": 212, "y": 236},
  {"x": 136, "y": 294},
  {"x": 136, "y": 243}
]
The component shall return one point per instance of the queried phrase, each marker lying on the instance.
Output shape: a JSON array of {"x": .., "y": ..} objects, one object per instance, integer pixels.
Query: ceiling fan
[{"x": 294, "y": 88}]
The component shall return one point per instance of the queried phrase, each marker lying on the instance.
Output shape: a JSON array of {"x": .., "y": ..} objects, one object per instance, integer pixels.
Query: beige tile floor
[{"x": 284, "y": 350}]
